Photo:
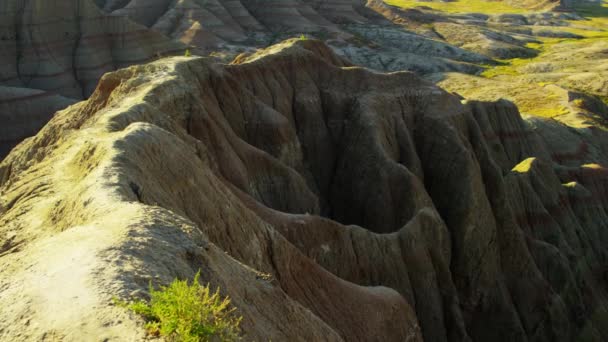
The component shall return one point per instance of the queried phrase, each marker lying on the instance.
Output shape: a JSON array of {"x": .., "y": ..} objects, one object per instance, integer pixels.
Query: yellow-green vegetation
[
  {"x": 187, "y": 53},
  {"x": 462, "y": 6},
  {"x": 514, "y": 67},
  {"x": 506, "y": 67},
  {"x": 534, "y": 83},
  {"x": 595, "y": 26},
  {"x": 188, "y": 312},
  {"x": 546, "y": 107},
  {"x": 538, "y": 85},
  {"x": 531, "y": 98},
  {"x": 588, "y": 29}
]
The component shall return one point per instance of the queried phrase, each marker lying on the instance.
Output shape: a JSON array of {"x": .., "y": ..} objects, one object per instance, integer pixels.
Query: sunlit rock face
[{"x": 328, "y": 201}]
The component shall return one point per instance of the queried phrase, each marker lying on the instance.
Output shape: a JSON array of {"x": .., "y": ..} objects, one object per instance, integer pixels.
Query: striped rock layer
[
  {"x": 62, "y": 49},
  {"x": 212, "y": 25}
]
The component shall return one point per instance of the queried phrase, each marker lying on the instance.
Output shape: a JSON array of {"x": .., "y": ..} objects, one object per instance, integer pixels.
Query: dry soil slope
[{"x": 330, "y": 202}]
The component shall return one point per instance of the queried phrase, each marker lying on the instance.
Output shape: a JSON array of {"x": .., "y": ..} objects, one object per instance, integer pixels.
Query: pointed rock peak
[{"x": 296, "y": 46}]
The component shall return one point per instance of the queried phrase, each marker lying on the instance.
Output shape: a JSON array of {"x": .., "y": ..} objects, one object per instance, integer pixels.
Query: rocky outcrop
[{"x": 330, "y": 202}]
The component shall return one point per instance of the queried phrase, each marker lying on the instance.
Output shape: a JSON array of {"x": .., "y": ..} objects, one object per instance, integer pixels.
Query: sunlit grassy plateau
[
  {"x": 462, "y": 6},
  {"x": 539, "y": 93}
]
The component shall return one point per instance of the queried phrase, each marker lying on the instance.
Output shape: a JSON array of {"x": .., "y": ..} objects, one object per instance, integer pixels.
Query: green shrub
[
  {"x": 303, "y": 37},
  {"x": 188, "y": 312},
  {"x": 187, "y": 53}
]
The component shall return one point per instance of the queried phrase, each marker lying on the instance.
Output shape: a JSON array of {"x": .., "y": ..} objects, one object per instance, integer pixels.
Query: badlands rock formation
[
  {"x": 63, "y": 49},
  {"x": 361, "y": 30},
  {"x": 330, "y": 202},
  {"x": 55, "y": 51}
]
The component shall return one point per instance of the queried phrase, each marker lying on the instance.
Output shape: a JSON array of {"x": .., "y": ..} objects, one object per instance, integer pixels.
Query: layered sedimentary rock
[
  {"x": 330, "y": 202},
  {"x": 23, "y": 112},
  {"x": 234, "y": 15},
  {"x": 357, "y": 29},
  {"x": 65, "y": 47},
  {"x": 58, "y": 50}
]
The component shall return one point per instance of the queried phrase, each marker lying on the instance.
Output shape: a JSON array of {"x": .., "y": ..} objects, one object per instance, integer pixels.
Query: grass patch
[
  {"x": 528, "y": 82},
  {"x": 538, "y": 102},
  {"x": 462, "y": 6},
  {"x": 187, "y": 312},
  {"x": 589, "y": 29},
  {"x": 596, "y": 23},
  {"x": 506, "y": 67},
  {"x": 531, "y": 98},
  {"x": 545, "y": 111},
  {"x": 512, "y": 67}
]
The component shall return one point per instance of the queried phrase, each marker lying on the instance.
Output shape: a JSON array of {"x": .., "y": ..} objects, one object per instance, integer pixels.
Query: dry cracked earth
[{"x": 331, "y": 195}]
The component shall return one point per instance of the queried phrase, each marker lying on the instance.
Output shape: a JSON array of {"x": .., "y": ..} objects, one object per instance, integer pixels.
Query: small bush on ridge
[{"x": 188, "y": 312}]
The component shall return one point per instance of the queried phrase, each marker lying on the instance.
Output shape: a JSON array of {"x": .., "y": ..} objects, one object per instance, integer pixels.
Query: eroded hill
[{"x": 329, "y": 201}]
